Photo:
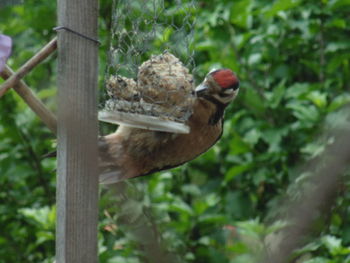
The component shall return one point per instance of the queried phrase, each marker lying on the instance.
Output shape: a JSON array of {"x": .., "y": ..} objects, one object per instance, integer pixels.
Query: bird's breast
[{"x": 168, "y": 150}]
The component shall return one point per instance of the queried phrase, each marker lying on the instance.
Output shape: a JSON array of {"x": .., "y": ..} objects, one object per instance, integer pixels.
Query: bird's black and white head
[{"x": 220, "y": 86}]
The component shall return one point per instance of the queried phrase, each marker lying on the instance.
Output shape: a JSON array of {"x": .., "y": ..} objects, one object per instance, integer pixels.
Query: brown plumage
[{"x": 132, "y": 152}]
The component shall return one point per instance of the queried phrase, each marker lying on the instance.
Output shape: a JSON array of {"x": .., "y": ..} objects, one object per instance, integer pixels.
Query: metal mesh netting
[
  {"x": 150, "y": 59},
  {"x": 142, "y": 28}
]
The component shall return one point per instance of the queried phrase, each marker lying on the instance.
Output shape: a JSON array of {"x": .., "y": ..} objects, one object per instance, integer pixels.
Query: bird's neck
[{"x": 208, "y": 111}]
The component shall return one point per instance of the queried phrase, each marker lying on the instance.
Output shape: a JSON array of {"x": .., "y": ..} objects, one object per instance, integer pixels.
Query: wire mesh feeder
[
  {"x": 157, "y": 94},
  {"x": 161, "y": 99}
]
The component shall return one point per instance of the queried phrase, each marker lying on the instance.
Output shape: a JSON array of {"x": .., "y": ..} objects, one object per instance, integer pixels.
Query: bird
[{"x": 133, "y": 152}]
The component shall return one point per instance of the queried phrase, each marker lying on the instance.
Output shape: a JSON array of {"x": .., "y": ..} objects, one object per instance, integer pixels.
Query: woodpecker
[{"x": 132, "y": 152}]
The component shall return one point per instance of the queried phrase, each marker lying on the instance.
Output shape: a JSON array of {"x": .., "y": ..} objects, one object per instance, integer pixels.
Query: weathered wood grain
[{"x": 77, "y": 194}]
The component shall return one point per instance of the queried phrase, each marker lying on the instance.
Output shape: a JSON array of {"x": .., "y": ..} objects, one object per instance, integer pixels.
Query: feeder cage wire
[{"x": 148, "y": 84}]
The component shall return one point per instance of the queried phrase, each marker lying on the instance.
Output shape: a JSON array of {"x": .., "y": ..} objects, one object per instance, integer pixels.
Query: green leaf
[
  {"x": 338, "y": 4},
  {"x": 318, "y": 260},
  {"x": 281, "y": 5},
  {"x": 318, "y": 98},
  {"x": 332, "y": 243},
  {"x": 277, "y": 95},
  {"x": 212, "y": 219},
  {"x": 254, "y": 101},
  {"x": 337, "y": 46},
  {"x": 297, "y": 90},
  {"x": 44, "y": 216},
  {"x": 181, "y": 207},
  {"x": 241, "y": 13},
  {"x": 254, "y": 58},
  {"x": 238, "y": 205},
  {"x": 238, "y": 146},
  {"x": 313, "y": 149},
  {"x": 337, "y": 22},
  {"x": 273, "y": 137},
  {"x": 339, "y": 102},
  {"x": 305, "y": 113},
  {"x": 252, "y": 137},
  {"x": 336, "y": 62},
  {"x": 236, "y": 170}
]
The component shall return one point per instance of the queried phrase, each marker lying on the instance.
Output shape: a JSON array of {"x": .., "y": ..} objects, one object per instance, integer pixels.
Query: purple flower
[{"x": 5, "y": 50}]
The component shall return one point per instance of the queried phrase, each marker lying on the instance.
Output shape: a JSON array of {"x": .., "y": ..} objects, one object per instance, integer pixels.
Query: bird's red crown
[{"x": 225, "y": 78}]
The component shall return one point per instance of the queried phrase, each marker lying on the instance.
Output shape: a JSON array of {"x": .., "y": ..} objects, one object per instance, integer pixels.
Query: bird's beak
[{"x": 201, "y": 88}]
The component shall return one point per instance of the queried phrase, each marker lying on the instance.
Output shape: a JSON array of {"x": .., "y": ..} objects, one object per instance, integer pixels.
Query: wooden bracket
[{"x": 13, "y": 79}]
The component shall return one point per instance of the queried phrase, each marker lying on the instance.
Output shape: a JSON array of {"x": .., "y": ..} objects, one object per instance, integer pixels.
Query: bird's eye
[{"x": 234, "y": 86}]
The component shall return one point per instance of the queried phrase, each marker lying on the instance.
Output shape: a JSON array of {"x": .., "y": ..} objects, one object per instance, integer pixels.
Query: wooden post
[{"x": 77, "y": 183}]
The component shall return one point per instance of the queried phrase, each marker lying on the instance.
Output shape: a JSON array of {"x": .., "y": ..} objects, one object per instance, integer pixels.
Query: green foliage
[{"x": 292, "y": 57}]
